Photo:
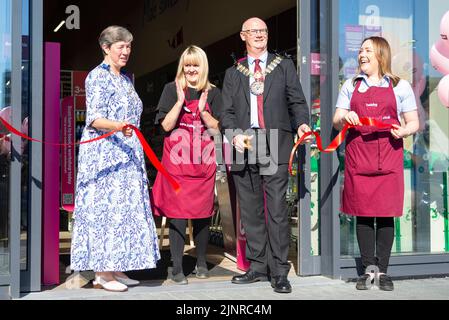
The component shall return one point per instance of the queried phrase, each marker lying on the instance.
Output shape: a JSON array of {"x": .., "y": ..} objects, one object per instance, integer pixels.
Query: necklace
[{"x": 258, "y": 86}]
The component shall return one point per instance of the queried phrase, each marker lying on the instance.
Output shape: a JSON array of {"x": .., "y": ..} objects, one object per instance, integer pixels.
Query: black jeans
[{"x": 375, "y": 247}]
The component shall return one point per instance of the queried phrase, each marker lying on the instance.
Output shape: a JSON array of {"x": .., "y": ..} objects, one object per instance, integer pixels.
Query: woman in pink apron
[
  {"x": 374, "y": 177},
  {"x": 188, "y": 111}
]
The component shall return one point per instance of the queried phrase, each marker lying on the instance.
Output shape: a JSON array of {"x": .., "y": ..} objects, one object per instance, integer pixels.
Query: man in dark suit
[{"x": 264, "y": 107}]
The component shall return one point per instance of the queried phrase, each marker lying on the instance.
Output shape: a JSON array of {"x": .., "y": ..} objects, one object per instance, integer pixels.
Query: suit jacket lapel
[{"x": 268, "y": 78}]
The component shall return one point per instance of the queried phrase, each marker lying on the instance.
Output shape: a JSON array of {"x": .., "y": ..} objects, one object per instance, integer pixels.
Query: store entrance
[{"x": 162, "y": 30}]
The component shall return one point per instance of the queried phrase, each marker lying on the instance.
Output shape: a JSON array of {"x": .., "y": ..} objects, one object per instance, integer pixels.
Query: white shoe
[
  {"x": 127, "y": 281},
  {"x": 113, "y": 286}
]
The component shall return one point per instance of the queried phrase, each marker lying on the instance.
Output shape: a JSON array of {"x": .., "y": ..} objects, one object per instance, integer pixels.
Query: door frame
[{"x": 29, "y": 279}]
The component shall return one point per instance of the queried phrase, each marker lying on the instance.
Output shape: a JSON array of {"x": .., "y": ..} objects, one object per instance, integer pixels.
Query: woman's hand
[
  {"x": 399, "y": 132},
  {"x": 352, "y": 118},
  {"x": 123, "y": 127},
  {"x": 111, "y": 125},
  {"x": 203, "y": 100},
  {"x": 180, "y": 93}
]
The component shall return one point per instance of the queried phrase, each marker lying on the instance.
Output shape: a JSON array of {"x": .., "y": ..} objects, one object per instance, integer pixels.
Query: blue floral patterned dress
[{"x": 113, "y": 225}]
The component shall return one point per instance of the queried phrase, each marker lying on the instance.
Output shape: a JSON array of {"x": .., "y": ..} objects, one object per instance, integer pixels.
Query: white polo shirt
[{"x": 405, "y": 98}]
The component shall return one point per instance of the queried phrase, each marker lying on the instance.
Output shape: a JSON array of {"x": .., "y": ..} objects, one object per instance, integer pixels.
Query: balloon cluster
[
  {"x": 5, "y": 136},
  {"x": 439, "y": 56}
]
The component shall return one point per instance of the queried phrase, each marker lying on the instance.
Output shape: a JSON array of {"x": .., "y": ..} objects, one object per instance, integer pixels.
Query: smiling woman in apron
[
  {"x": 187, "y": 111},
  {"x": 374, "y": 174}
]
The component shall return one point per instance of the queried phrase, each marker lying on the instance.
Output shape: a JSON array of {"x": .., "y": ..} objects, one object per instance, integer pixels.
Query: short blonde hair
[
  {"x": 194, "y": 55},
  {"x": 114, "y": 34}
]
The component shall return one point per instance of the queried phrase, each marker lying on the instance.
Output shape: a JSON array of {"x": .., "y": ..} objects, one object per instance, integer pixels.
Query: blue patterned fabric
[{"x": 113, "y": 226}]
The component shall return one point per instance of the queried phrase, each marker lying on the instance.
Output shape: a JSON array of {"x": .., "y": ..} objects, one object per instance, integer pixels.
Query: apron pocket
[
  {"x": 364, "y": 157},
  {"x": 391, "y": 155}
]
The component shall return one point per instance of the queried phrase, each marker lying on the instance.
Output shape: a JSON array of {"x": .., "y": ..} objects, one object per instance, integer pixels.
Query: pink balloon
[
  {"x": 443, "y": 91},
  {"x": 25, "y": 126},
  {"x": 5, "y": 146},
  {"x": 439, "y": 57},
  {"x": 444, "y": 29},
  {"x": 5, "y": 113},
  {"x": 24, "y": 131}
]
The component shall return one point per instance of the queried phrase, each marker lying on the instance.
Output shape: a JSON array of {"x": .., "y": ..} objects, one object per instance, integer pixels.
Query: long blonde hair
[
  {"x": 194, "y": 55},
  {"x": 382, "y": 51}
]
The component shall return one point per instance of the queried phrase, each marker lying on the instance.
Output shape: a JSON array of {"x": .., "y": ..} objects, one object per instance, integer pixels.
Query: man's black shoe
[
  {"x": 249, "y": 277},
  {"x": 280, "y": 284},
  {"x": 385, "y": 283}
]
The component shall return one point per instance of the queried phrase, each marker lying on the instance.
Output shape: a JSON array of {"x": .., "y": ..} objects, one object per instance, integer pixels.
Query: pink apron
[
  {"x": 189, "y": 157},
  {"x": 374, "y": 168}
]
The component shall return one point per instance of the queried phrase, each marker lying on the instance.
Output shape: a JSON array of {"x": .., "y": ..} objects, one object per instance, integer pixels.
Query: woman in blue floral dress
[{"x": 114, "y": 230}]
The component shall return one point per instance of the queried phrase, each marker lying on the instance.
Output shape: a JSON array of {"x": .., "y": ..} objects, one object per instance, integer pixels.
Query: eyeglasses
[{"x": 254, "y": 32}]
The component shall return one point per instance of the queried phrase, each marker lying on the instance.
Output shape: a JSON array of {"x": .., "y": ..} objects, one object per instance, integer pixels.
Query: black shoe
[
  {"x": 364, "y": 282},
  {"x": 201, "y": 272},
  {"x": 385, "y": 283},
  {"x": 179, "y": 278},
  {"x": 280, "y": 284},
  {"x": 249, "y": 277}
]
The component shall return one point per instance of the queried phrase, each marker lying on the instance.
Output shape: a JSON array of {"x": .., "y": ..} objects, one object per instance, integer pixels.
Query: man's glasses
[{"x": 254, "y": 32}]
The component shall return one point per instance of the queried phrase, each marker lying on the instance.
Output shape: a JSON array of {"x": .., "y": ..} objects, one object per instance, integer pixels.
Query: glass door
[
  {"x": 412, "y": 27},
  {"x": 5, "y": 138},
  {"x": 19, "y": 97}
]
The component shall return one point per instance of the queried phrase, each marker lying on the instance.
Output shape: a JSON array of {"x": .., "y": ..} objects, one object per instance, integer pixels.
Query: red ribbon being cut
[
  {"x": 337, "y": 141},
  {"x": 146, "y": 147}
]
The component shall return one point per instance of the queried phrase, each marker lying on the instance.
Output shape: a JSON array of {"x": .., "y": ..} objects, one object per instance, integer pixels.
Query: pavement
[{"x": 304, "y": 288}]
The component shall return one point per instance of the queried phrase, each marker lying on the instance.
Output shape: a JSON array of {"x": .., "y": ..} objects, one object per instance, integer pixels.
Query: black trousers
[
  {"x": 375, "y": 245},
  {"x": 267, "y": 238},
  {"x": 177, "y": 236}
]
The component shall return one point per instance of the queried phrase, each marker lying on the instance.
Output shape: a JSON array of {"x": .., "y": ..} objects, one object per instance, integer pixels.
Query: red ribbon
[
  {"x": 146, "y": 147},
  {"x": 154, "y": 160},
  {"x": 338, "y": 139}
]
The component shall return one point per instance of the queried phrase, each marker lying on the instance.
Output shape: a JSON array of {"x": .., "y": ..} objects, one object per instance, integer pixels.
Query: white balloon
[
  {"x": 444, "y": 29},
  {"x": 443, "y": 91},
  {"x": 439, "y": 56}
]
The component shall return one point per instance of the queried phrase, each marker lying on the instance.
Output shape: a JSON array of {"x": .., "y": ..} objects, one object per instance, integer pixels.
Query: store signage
[
  {"x": 354, "y": 35},
  {"x": 68, "y": 154},
  {"x": 316, "y": 64},
  {"x": 155, "y": 8},
  {"x": 78, "y": 88}
]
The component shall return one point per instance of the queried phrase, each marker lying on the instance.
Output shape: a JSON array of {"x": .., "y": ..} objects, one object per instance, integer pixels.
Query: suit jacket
[{"x": 285, "y": 107}]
